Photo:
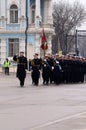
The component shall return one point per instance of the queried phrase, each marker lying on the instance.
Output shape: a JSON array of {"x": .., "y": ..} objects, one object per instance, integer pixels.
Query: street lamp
[{"x": 66, "y": 44}]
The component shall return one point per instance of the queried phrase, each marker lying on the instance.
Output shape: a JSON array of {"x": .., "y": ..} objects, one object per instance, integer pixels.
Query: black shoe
[
  {"x": 43, "y": 82},
  {"x": 36, "y": 84},
  {"x": 46, "y": 83},
  {"x": 21, "y": 84},
  {"x": 50, "y": 82}
]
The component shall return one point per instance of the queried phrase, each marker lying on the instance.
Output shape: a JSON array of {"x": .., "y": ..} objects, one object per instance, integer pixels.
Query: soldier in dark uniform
[
  {"x": 62, "y": 64},
  {"x": 57, "y": 72},
  {"x": 50, "y": 61},
  {"x": 84, "y": 70},
  {"x": 35, "y": 67},
  {"x": 45, "y": 70},
  {"x": 21, "y": 67}
]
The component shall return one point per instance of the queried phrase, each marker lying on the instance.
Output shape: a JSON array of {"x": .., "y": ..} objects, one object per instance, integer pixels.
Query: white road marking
[
  {"x": 79, "y": 129},
  {"x": 57, "y": 121}
]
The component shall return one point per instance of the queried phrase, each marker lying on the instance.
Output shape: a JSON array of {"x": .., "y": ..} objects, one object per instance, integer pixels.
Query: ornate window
[
  {"x": 13, "y": 47},
  {"x": 33, "y": 13},
  {"x": 13, "y": 14}
]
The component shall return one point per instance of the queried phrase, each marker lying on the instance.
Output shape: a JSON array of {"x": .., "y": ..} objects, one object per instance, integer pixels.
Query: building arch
[{"x": 13, "y": 3}]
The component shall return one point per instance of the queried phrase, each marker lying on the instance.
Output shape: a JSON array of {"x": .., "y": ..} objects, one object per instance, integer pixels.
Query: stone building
[{"x": 21, "y": 24}]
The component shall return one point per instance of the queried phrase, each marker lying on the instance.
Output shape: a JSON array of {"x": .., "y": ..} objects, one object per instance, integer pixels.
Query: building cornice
[{"x": 30, "y": 31}]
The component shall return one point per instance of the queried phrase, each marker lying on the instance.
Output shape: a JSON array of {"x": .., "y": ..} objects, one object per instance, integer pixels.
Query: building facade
[{"x": 21, "y": 24}]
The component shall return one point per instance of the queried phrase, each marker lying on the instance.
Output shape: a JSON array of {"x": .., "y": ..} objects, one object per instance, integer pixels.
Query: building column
[
  {"x": 3, "y": 8},
  {"x": 37, "y": 47},
  {"x": 37, "y": 8},
  {"x": 46, "y": 11},
  {"x": 49, "y": 50},
  {"x": 37, "y": 14},
  {"x": 50, "y": 9},
  {"x": 3, "y": 50},
  {"x": 3, "y": 13}
]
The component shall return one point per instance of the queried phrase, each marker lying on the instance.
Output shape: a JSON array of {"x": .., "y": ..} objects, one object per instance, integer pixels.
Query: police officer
[
  {"x": 21, "y": 67},
  {"x": 6, "y": 66},
  {"x": 35, "y": 68}
]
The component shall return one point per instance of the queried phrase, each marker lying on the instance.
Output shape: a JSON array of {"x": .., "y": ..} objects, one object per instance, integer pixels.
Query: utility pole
[{"x": 26, "y": 28}]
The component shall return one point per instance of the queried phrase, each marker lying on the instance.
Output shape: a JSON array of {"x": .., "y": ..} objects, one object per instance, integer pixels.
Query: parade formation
[
  {"x": 55, "y": 69},
  {"x": 58, "y": 69}
]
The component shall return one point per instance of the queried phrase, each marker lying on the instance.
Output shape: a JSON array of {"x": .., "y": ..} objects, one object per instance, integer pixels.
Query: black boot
[{"x": 22, "y": 83}]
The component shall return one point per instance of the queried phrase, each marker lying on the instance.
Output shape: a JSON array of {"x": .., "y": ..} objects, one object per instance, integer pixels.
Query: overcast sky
[
  {"x": 83, "y": 2},
  {"x": 70, "y": 1}
]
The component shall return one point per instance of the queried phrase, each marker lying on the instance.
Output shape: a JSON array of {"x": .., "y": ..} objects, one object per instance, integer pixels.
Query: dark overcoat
[{"x": 21, "y": 66}]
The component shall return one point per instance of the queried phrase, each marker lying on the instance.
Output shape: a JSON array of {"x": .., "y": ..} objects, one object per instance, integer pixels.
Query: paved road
[{"x": 61, "y": 107}]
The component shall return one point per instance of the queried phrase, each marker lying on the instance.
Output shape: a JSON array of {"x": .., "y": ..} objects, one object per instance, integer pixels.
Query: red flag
[{"x": 44, "y": 45}]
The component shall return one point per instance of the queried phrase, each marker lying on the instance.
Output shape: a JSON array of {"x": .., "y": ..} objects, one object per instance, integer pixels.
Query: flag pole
[
  {"x": 44, "y": 52},
  {"x": 44, "y": 46}
]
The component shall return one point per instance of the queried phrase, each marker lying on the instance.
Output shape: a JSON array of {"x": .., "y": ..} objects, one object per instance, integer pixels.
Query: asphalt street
[{"x": 53, "y": 107}]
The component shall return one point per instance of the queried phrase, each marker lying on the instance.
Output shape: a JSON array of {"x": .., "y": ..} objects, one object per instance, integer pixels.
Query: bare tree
[{"x": 66, "y": 16}]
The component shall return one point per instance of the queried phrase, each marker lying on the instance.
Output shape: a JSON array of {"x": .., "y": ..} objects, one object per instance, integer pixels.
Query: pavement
[{"x": 53, "y": 107}]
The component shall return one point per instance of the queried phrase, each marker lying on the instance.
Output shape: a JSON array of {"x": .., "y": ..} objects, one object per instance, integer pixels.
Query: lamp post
[
  {"x": 76, "y": 43},
  {"x": 26, "y": 28},
  {"x": 66, "y": 44}
]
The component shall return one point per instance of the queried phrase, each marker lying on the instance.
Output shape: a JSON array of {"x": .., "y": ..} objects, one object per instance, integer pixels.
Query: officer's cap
[
  {"x": 21, "y": 51},
  {"x": 36, "y": 54}
]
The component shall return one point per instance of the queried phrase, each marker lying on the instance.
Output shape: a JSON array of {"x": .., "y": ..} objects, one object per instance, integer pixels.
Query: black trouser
[
  {"x": 45, "y": 76},
  {"x": 51, "y": 76},
  {"x": 6, "y": 70},
  {"x": 22, "y": 80},
  {"x": 35, "y": 76},
  {"x": 21, "y": 74}
]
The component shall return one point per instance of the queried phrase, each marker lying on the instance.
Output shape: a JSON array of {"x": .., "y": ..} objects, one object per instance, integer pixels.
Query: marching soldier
[
  {"x": 50, "y": 61},
  {"x": 45, "y": 70},
  {"x": 57, "y": 72},
  {"x": 21, "y": 67},
  {"x": 35, "y": 64}
]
